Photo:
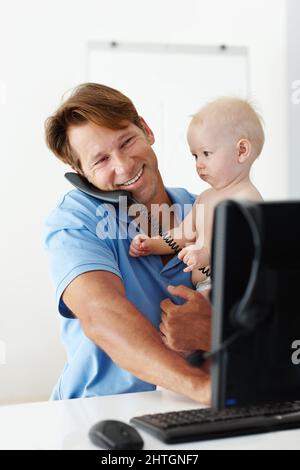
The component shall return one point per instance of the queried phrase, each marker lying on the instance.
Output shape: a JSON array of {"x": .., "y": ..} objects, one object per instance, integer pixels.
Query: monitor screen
[{"x": 256, "y": 303}]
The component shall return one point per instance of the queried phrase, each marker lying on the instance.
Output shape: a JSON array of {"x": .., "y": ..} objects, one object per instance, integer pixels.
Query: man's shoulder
[
  {"x": 74, "y": 210},
  {"x": 76, "y": 199},
  {"x": 181, "y": 195}
]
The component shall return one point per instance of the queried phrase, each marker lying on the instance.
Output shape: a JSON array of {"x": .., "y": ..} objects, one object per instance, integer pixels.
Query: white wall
[
  {"x": 293, "y": 90},
  {"x": 42, "y": 54},
  {"x": 176, "y": 93}
]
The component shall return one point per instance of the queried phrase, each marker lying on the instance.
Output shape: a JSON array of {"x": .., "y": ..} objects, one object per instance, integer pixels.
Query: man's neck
[
  {"x": 160, "y": 197},
  {"x": 157, "y": 209}
]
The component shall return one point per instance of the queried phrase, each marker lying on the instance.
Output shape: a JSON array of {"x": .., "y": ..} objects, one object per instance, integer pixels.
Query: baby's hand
[
  {"x": 194, "y": 257},
  {"x": 140, "y": 246}
]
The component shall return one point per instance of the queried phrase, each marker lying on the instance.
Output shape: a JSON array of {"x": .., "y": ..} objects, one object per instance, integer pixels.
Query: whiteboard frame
[{"x": 145, "y": 47}]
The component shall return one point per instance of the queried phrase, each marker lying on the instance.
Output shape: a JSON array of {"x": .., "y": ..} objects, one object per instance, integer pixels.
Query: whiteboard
[{"x": 168, "y": 84}]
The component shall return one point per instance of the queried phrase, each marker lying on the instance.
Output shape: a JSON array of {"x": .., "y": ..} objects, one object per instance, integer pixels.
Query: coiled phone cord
[{"x": 167, "y": 238}]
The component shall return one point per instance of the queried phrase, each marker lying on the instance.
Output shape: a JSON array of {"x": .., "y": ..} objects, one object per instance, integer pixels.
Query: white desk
[{"x": 65, "y": 424}]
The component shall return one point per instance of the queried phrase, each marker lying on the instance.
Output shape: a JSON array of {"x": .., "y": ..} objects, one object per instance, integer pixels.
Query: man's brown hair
[{"x": 89, "y": 102}]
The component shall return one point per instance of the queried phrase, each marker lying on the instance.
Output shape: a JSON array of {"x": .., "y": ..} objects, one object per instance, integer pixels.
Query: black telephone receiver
[{"x": 81, "y": 183}]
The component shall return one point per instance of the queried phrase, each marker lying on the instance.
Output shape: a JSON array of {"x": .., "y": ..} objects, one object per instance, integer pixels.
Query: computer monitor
[{"x": 256, "y": 303}]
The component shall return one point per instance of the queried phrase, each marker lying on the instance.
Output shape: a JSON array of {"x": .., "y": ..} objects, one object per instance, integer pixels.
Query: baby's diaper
[{"x": 203, "y": 285}]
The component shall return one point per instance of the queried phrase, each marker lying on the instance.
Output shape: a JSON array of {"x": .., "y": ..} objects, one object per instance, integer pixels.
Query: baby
[{"x": 225, "y": 138}]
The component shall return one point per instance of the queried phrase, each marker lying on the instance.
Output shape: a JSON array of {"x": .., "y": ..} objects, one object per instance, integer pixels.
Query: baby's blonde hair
[{"x": 239, "y": 116}]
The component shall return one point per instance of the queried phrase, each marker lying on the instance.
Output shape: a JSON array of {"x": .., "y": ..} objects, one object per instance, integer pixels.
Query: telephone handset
[{"x": 81, "y": 183}]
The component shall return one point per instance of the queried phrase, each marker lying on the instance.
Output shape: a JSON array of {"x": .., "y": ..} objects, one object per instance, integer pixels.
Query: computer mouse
[{"x": 117, "y": 435}]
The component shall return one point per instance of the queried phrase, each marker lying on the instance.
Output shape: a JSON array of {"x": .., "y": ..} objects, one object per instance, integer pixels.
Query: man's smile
[{"x": 134, "y": 179}]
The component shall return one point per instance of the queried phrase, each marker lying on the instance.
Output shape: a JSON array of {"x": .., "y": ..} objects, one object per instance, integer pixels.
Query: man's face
[
  {"x": 216, "y": 154},
  {"x": 114, "y": 159}
]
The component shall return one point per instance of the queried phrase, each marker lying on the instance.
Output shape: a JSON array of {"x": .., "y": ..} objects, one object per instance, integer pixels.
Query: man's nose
[{"x": 123, "y": 165}]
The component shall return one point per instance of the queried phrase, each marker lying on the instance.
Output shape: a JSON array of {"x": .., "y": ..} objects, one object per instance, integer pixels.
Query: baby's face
[{"x": 216, "y": 153}]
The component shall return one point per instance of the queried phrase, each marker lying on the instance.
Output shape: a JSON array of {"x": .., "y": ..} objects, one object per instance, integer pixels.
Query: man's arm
[{"x": 111, "y": 321}]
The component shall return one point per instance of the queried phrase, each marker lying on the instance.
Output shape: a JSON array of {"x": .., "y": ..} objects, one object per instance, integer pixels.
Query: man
[{"x": 109, "y": 301}]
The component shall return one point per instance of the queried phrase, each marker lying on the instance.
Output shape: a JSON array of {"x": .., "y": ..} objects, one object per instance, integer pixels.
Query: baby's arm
[
  {"x": 197, "y": 255},
  {"x": 194, "y": 257},
  {"x": 184, "y": 233},
  {"x": 142, "y": 245}
]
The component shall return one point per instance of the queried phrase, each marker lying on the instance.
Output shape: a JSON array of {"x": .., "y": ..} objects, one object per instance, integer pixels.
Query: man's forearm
[
  {"x": 135, "y": 345},
  {"x": 98, "y": 300}
]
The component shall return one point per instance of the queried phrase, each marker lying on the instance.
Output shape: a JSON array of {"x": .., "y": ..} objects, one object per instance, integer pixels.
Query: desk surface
[{"x": 65, "y": 424}]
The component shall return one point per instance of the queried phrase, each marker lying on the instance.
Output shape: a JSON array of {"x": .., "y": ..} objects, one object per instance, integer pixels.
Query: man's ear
[
  {"x": 244, "y": 150},
  {"x": 148, "y": 132}
]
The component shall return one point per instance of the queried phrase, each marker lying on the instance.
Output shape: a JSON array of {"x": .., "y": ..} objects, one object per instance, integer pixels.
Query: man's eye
[
  {"x": 194, "y": 155},
  {"x": 101, "y": 160},
  {"x": 127, "y": 141},
  {"x": 206, "y": 153}
]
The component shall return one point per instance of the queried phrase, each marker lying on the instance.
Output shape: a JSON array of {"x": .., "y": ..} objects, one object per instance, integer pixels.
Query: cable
[
  {"x": 257, "y": 244},
  {"x": 206, "y": 271},
  {"x": 198, "y": 357}
]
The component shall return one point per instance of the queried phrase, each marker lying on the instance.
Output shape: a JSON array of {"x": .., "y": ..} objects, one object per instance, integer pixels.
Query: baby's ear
[{"x": 244, "y": 149}]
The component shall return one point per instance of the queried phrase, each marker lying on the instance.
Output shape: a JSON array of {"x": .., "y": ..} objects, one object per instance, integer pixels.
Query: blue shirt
[{"x": 83, "y": 234}]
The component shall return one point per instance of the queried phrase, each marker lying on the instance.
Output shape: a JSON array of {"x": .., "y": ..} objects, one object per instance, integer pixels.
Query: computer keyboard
[{"x": 201, "y": 424}]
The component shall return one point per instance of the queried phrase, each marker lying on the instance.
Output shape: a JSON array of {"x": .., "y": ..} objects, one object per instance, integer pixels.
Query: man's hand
[
  {"x": 186, "y": 327},
  {"x": 194, "y": 257},
  {"x": 140, "y": 246}
]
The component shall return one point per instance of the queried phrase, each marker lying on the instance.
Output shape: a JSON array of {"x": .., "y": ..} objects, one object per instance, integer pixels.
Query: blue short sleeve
[{"x": 74, "y": 248}]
